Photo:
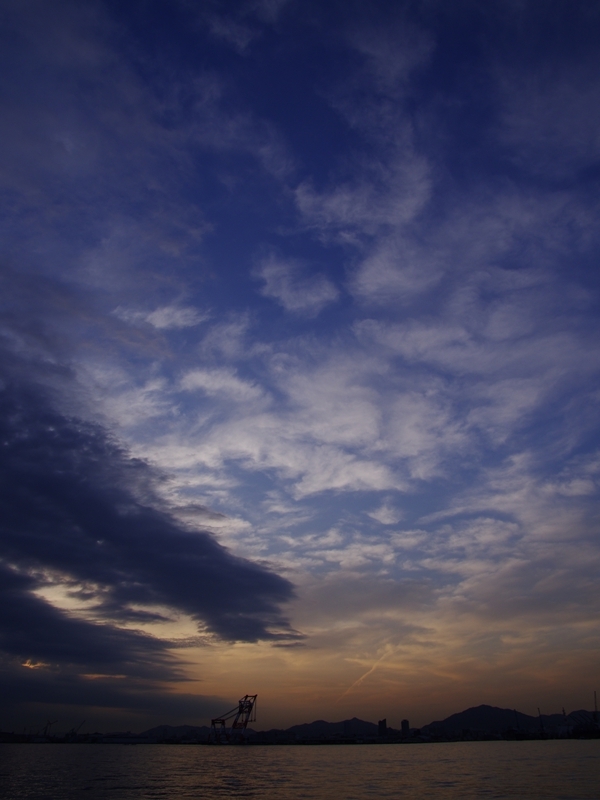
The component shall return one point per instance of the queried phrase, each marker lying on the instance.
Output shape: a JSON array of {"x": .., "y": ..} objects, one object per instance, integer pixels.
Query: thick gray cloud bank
[
  {"x": 69, "y": 506},
  {"x": 72, "y": 510}
]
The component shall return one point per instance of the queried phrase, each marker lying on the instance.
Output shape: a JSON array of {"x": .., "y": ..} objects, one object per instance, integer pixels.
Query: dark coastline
[{"x": 482, "y": 723}]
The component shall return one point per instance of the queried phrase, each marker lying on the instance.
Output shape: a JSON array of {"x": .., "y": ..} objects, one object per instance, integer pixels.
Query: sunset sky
[{"x": 300, "y": 359}]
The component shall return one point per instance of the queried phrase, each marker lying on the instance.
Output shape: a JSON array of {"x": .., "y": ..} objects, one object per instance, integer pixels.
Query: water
[{"x": 552, "y": 770}]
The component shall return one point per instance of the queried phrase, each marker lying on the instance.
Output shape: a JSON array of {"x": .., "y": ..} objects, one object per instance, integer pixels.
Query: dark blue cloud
[
  {"x": 70, "y": 503},
  {"x": 76, "y": 509},
  {"x": 36, "y": 633}
]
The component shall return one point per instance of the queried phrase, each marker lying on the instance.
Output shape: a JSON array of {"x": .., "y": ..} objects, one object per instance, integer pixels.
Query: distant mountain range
[
  {"x": 176, "y": 732},
  {"x": 480, "y": 723},
  {"x": 322, "y": 729},
  {"x": 310, "y": 730},
  {"x": 480, "y": 719},
  {"x": 497, "y": 720}
]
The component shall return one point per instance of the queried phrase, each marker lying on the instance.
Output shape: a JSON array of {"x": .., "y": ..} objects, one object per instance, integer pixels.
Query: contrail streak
[{"x": 362, "y": 677}]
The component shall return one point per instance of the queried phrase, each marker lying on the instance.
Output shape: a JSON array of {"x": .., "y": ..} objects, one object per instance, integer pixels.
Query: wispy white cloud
[
  {"x": 234, "y": 32},
  {"x": 240, "y": 26},
  {"x": 221, "y": 382},
  {"x": 393, "y": 52},
  {"x": 386, "y": 514},
  {"x": 229, "y": 339},
  {"x": 166, "y": 317},
  {"x": 394, "y": 271},
  {"x": 549, "y": 119},
  {"x": 387, "y": 194},
  {"x": 299, "y": 293},
  {"x": 267, "y": 10}
]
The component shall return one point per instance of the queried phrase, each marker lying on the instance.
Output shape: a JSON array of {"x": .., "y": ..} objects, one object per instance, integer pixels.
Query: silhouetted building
[
  {"x": 405, "y": 727},
  {"x": 382, "y": 727}
]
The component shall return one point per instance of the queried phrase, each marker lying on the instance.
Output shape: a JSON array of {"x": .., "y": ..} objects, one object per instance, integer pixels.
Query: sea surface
[{"x": 553, "y": 770}]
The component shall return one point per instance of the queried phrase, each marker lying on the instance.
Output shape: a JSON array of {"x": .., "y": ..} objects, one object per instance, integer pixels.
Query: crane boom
[{"x": 245, "y": 712}]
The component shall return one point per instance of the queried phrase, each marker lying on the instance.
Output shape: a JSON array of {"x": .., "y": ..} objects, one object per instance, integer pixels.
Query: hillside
[
  {"x": 481, "y": 719},
  {"x": 498, "y": 720}
]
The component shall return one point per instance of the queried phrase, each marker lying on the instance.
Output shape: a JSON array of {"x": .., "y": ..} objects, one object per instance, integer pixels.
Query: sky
[{"x": 300, "y": 359}]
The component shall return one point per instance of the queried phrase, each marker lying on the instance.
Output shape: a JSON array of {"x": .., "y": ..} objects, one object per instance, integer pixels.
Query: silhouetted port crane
[
  {"x": 47, "y": 726},
  {"x": 244, "y": 713},
  {"x": 71, "y": 736}
]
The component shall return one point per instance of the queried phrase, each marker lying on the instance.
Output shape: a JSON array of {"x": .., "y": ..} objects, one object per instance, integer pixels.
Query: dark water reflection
[{"x": 553, "y": 770}]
